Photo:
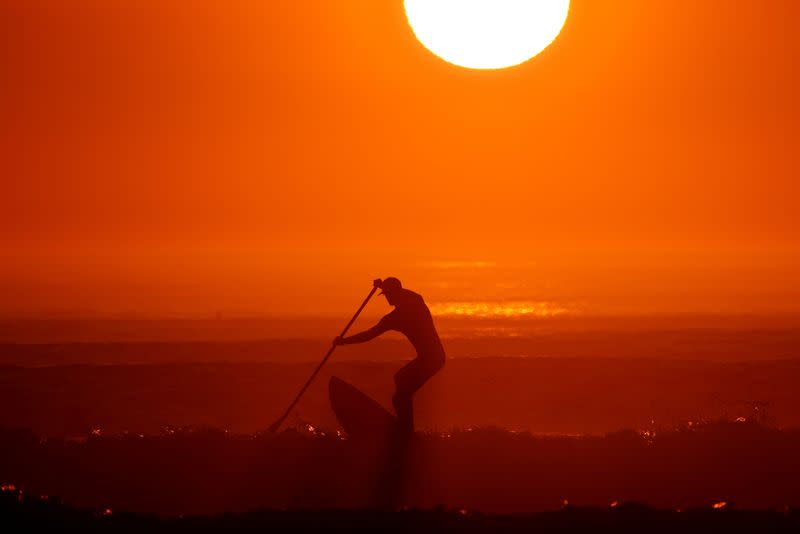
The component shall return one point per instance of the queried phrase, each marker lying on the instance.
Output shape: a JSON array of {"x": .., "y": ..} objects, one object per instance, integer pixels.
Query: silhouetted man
[{"x": 411, "y": 317}]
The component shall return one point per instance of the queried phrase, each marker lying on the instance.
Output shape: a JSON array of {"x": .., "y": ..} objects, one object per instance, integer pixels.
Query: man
[{"x": 412, "y": 318}]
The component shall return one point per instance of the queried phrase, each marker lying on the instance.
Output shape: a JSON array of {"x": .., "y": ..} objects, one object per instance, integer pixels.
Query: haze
[{"x": 273, "y": 159}]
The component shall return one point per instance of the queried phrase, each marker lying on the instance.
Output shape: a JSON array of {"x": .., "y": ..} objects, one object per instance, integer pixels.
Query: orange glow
[
  {"x": 272, "y": 158},
  {"x": 719, "y": 505}
]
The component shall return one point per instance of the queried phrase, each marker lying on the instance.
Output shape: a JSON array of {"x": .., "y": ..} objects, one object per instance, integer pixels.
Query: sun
[{"x": 486, "y": 34}]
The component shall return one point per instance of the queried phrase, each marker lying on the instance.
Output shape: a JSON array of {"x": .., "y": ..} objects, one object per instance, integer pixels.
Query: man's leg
[
  {"x": 404, "y": 407},
  {"x": 407, "y": 381}
]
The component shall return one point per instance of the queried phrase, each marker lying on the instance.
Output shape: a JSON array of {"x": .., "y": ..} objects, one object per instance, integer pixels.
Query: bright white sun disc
[{"x": 486, "y": 34}]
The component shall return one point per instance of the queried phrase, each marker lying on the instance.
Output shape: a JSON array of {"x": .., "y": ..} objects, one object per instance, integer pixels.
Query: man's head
[{"x": 390, "y": 288}]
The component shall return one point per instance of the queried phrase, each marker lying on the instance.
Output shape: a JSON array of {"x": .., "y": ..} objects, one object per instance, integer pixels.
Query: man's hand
[
  {"x": 338, "y": 340},
  {"x": 377, "y": 283}
]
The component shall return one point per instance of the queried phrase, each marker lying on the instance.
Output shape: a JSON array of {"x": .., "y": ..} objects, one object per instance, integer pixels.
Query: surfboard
[{"x": 361, "y": 417}]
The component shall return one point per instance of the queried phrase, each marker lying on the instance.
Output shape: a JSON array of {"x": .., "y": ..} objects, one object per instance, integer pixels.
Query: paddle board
[{"x": 360, "y": 416}]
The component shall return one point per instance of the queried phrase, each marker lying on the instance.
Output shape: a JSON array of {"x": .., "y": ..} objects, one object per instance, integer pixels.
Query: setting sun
[{"x": 486, "y": 34}]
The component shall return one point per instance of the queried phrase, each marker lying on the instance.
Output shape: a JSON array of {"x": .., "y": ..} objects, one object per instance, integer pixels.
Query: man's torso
[{"x": 412, "y": 318}]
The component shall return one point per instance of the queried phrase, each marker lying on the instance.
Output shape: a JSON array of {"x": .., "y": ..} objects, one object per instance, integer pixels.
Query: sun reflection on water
[{"x": 506, "y": 309}]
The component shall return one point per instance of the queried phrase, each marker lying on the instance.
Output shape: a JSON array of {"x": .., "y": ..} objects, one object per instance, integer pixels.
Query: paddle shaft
[{"x": 280, "y": 421}]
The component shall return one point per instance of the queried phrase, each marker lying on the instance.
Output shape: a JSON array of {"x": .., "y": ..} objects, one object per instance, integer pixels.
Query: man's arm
[{"x": 362, "y": 337}]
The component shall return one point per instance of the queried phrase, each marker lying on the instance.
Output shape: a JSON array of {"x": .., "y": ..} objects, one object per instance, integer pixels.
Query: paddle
[{"x": 274, "y": 426}]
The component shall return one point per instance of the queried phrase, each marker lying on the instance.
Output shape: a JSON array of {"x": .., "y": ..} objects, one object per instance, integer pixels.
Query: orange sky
[{"x": 273, "y": 157}]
